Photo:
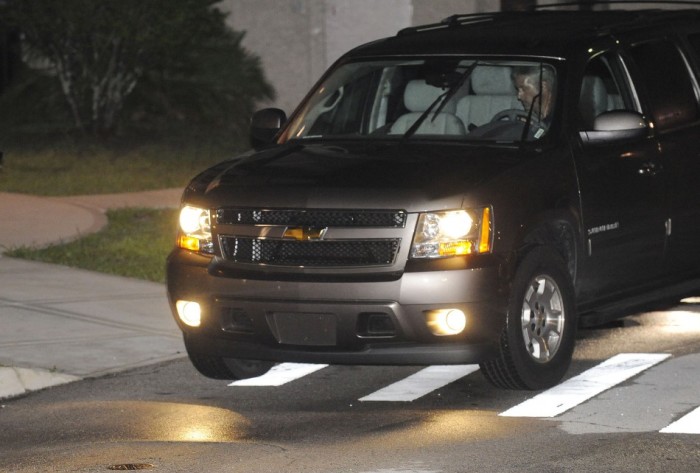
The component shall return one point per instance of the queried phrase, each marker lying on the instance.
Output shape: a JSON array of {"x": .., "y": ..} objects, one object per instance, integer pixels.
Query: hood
[{"x": 411, "y": 176}]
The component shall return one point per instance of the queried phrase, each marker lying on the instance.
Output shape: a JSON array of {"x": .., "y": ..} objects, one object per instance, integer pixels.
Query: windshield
[{"x": 430, "y": 98}]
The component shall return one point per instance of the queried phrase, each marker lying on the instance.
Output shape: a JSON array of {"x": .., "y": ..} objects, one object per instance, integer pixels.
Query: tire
[
  {"x": 232, "y": 369},
  {"x": 244, "y": 369},
  {"x": 537, "y": 343}
]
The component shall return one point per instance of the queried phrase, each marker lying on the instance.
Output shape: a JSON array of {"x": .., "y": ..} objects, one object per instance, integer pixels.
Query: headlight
[
  {"x": 195, "y": 230},
  {"x": 453, "y": 233}
]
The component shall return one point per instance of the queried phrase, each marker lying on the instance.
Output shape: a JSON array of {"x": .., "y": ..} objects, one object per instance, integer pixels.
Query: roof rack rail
[
  {"x": 615, "y": 2},
  {"x": 453, "y": 20},
  {"x": 470, "y": 19}
]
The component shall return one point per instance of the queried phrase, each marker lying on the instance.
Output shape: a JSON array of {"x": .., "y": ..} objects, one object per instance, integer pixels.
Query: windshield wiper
[
  {"x": 528, "y": 121},
  {"x": 442, "y": 100}
]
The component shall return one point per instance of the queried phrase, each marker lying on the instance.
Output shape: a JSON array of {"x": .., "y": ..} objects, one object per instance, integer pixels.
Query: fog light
[
  {"x": 446, "y": 321},
  {"x": 189, "y": 312}
]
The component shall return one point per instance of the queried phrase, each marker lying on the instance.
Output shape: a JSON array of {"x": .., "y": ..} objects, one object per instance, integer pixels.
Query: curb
[{"x": 18, "y": 381}]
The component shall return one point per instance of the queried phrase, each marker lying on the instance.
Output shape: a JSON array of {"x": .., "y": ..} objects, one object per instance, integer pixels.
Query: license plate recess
[{"x": 304, "y": 328}]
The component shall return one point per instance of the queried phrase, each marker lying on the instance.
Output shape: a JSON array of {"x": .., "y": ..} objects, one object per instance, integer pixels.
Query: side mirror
[
  {"x": 264, "y": 125},
  {"x": 616, "y": 126}
]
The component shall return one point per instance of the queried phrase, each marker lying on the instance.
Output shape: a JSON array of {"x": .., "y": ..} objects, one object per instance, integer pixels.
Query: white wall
[
  {"x": 297, "y": 40},
  {"x": 432, "y": 11},
  {"x": 353, "y": 22},
  {"x": 280, "y": 33}
]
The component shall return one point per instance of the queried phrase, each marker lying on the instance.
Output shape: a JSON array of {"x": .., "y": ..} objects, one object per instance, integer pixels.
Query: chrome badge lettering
[{"x": 603, "y": 228}]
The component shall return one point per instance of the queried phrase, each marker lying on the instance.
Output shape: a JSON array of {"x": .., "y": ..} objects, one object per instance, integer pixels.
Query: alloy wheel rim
[{"x": 542, "y": 318}]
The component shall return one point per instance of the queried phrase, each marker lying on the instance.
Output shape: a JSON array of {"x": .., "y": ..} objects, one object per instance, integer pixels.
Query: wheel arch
[
  {"x": 556, "y": 229},
  {"x": 558, "y": 234}
]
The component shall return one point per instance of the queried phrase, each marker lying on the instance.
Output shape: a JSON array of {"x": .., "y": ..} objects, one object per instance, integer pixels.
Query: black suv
[{"x": 464, "y": 192}]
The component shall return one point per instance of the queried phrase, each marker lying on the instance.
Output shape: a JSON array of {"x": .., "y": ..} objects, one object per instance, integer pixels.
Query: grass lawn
[
  {"x": 66, "y": 169},
  {"x": 134, "y": 244},
  {"x": 136, "y": 241}
]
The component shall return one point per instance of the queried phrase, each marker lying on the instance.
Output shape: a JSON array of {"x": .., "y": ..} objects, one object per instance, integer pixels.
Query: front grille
[
  {"x": 312, "y": 253},
  {"x": 313, "y": 217}
]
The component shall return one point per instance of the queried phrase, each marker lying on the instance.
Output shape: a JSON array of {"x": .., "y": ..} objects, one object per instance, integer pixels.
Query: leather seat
[
  {"x": 493, "y": 92},
  {"x": 418, "y": 96}
]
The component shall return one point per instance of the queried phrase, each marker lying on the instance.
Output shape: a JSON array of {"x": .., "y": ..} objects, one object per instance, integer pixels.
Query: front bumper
[{"x": 338, "y": 322}]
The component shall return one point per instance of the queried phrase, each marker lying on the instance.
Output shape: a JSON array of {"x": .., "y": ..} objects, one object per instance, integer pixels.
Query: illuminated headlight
[
  {"x": 452, "y": 233},
  {"x": 195, "y": 230}
]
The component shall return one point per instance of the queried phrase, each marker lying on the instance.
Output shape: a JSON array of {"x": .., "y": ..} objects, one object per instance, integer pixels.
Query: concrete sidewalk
[
  {"x": 27, "y": 220},
  {"x": 59, "y": 324}
]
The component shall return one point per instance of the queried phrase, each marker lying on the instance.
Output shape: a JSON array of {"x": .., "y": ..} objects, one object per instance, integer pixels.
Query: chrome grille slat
[{"x": 312, "y": 217}]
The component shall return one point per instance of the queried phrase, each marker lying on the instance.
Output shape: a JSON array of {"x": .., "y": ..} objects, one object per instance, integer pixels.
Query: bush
[{"x": 129, "y": 67}]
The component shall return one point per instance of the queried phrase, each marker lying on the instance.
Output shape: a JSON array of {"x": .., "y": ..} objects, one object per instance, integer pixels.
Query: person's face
[{"x": 527, "y": 90}]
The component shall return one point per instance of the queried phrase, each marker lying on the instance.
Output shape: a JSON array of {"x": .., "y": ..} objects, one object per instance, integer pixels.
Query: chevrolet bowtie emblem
[{"x": 305, "y": 233}]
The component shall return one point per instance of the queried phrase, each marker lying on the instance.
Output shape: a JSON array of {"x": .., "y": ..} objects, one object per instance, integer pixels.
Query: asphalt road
[{"x": 630, "y": 404}]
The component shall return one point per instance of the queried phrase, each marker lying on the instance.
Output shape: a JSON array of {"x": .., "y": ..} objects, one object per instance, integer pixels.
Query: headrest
[
  {"x": 593, "y": 88},
  {"x": 418, "y": 95},
  {"x": 594, "y": 97},
  {"x": 492, "y": 80}
]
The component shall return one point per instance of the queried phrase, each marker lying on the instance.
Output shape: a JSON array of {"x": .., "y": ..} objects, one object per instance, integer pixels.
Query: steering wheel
[
  {"x": 510, "y": 115},
  {"x": 515, "y": 115}
]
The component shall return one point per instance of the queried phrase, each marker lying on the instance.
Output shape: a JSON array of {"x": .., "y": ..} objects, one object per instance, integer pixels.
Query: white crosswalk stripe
[
  {"x": 588, "y": 384},
  {"x": 421, "y": 383},
  {"x": 688, "y": 424},
  {"x": 551, "y": 403},
  {"x": 280, "y": 374}
]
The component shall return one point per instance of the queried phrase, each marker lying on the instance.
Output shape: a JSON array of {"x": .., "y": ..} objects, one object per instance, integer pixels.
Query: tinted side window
[
  {"x": 669, "y": 87},
  {"x": 602, "y": 90}
]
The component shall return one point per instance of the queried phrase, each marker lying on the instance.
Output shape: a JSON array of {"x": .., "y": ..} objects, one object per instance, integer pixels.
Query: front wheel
[{"x": 537, "y": 343}]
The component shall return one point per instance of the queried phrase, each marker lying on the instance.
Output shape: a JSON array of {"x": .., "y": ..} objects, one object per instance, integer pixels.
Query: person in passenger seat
[{"x": 527, "y": 80}]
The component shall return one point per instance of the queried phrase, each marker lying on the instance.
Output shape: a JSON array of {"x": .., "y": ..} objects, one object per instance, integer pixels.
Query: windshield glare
[{"x": 433, "y": 98}]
